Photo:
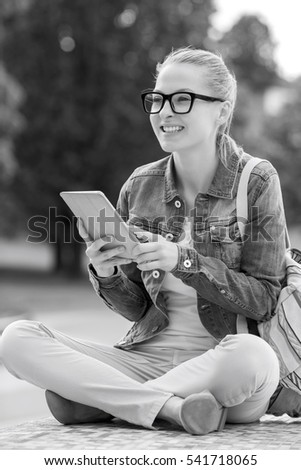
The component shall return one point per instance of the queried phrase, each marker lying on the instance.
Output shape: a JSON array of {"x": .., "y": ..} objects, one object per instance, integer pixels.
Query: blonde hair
[{"x": 221, "y": 81}]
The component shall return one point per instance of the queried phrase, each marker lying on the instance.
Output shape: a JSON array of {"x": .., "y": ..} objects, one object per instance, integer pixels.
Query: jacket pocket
[{"x": 225, "y": 237}]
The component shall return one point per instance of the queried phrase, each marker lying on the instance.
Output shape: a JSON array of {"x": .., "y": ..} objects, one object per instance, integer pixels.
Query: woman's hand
[
  {"x": 104, "y": 262},
  {"x": 159, "y": 254}
]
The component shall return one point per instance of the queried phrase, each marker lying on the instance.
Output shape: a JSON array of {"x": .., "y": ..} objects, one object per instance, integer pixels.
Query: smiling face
[{"x": 184, "y": 132}]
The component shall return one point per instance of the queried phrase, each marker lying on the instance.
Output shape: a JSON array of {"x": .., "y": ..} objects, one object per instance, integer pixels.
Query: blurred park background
[{"x": 71, "y": 72}]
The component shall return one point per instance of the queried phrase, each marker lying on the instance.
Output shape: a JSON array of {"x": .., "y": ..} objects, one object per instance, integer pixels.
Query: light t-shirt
[{"x": 185, "y": 330}]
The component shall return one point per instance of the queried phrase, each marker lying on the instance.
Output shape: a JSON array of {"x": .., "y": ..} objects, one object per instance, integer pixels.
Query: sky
[{"x": 283, "y": 18}]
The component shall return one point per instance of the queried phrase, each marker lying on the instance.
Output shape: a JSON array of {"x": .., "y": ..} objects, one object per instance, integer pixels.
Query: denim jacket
[{"x": 231, "y": 276}]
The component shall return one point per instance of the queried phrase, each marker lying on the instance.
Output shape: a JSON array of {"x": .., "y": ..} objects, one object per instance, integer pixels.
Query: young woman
[{"x": 182, "y": 360}]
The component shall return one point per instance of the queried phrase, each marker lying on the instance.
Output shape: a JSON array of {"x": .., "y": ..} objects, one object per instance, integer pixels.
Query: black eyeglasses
[{"x": 180, "y": 102}]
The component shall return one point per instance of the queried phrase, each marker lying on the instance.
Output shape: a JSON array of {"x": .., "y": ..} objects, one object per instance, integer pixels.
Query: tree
[
  {"x": 82, "y": 65},
  {"x": 249, "y": 47},
  {"x": 11, "y": 123},
  {"x": 284, "y": 143}
]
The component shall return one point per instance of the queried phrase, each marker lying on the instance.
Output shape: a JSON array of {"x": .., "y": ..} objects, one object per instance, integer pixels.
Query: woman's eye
[{"x": 181, "y": 99}]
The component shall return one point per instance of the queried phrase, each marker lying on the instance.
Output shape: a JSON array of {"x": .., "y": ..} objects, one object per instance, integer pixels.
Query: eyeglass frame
[{"x": 169, "y": 97}]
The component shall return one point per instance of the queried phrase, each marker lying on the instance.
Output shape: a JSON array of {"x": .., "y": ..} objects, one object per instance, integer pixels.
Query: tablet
[{"x": 100, "y": 219}]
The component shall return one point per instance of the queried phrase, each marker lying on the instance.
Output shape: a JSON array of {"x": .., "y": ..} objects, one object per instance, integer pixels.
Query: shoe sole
[{"x": 201, "y": 414}]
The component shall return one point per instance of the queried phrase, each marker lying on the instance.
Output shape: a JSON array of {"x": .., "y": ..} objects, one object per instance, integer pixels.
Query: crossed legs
[{"x": 241, "y": 373}]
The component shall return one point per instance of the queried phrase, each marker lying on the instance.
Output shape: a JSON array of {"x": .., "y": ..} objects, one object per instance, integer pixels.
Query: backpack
[{"x": 283, "y": 330}]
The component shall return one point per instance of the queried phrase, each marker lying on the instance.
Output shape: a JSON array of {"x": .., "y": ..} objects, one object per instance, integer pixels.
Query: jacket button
[
  {"x": 178, "y": 204},
  {"x": 187, "y": 263},
  {"x": 156, "y": 274},
  {"x": 169, "y": 237},
  {"x": 222, "y": 291},
  {"x": 203, "y": 307}
]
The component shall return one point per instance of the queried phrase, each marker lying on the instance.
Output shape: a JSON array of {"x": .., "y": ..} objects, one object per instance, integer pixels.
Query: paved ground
[{"x": 270, "y": 433}]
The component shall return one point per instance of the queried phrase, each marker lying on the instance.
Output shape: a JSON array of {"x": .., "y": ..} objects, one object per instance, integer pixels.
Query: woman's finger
[
  {"x": 146, "y": 257},
  {"x": 101, "y": 256},
  {"x": 149, "y": 266},
  {"x": 142, "y": 248},
  {"x": 83, "y": 232},
  {"x": 116, "y": 262},
  {"x": 81, "y": 228},
  {"x": 97, "y": 245}
]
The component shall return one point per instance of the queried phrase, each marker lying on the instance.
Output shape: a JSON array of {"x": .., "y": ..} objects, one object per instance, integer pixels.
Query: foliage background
[{"x": 70, "y": 76}]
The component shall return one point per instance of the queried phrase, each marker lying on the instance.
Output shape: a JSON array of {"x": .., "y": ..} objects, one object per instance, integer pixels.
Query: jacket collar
[
  {"x": 223, "y": 183},
  {"x": 170, "y": 186}
]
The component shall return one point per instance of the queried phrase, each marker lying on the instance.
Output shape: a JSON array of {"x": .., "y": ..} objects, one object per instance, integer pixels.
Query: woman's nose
[{"x": 166, "y": 109}]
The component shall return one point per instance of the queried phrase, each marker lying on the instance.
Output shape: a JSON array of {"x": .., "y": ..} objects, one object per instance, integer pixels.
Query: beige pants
[{"x": 242, "y": 372}]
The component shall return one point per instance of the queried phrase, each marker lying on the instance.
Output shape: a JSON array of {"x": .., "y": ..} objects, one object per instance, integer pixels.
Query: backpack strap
[
  {"x": 242, "y": 218},
  {"x": 242, "y": 198}
]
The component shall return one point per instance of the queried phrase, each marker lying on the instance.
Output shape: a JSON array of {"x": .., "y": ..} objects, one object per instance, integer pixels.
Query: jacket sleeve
[
  {"x": 252, "y": 290},
  {"x": 123, "y": 292}
]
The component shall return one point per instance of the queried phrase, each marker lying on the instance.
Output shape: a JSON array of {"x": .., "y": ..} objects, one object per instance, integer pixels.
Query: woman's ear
[{"x": 224, "y": 113}]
